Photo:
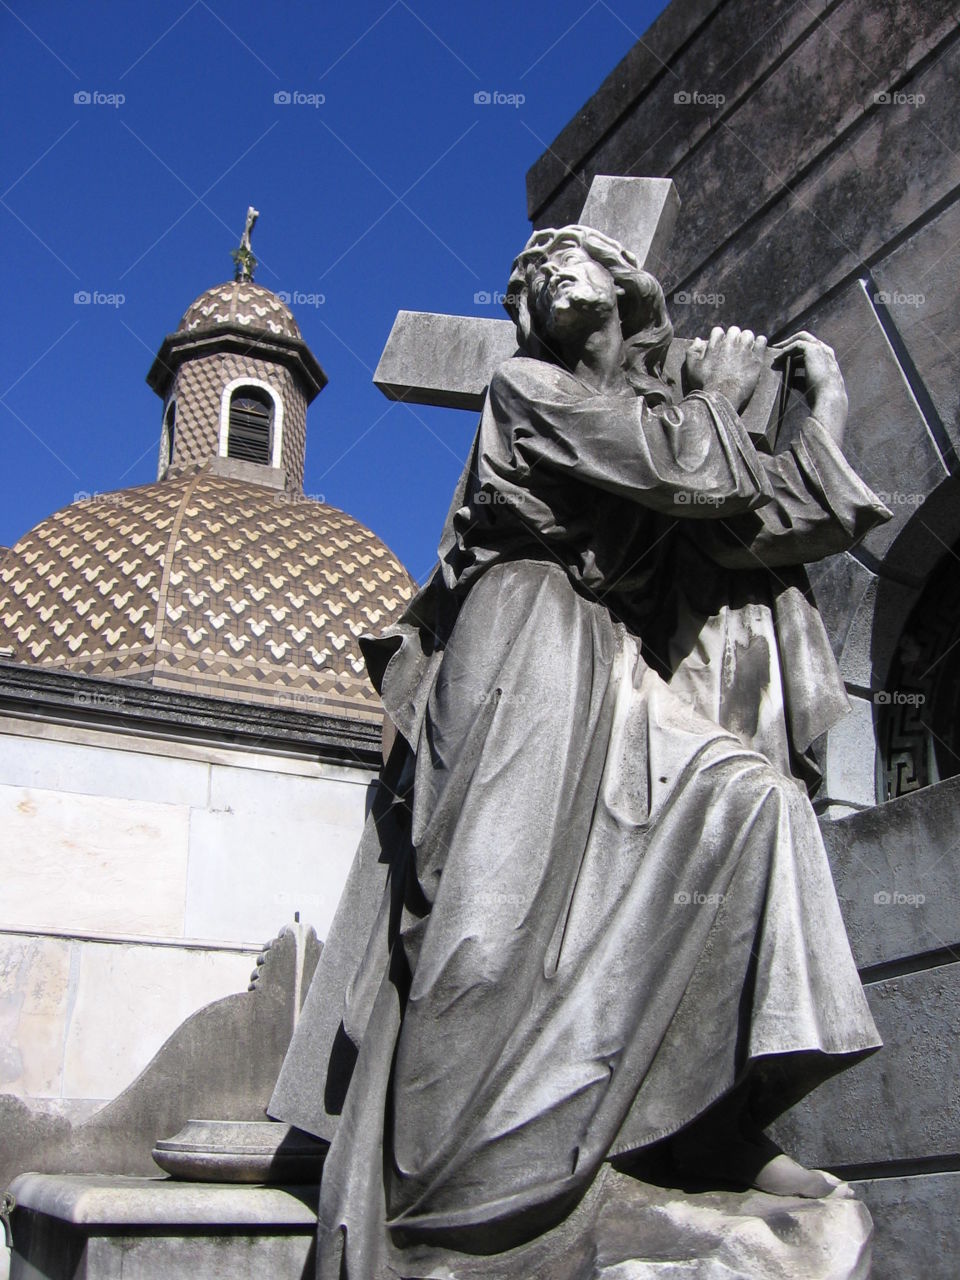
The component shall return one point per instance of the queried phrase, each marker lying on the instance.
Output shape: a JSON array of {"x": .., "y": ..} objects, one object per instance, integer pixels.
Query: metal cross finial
[{"x": 244, "y": 262}]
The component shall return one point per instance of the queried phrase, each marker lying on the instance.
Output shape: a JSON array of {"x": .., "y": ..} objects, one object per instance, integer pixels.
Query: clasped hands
[{"x": 730, "y": 361}]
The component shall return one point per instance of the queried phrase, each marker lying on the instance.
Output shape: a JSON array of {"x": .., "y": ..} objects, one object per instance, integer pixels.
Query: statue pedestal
[{"x": 102, "y": 1227}]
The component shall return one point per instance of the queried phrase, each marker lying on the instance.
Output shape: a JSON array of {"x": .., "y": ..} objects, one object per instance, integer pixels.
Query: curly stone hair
[{"x": 644, "y": 322}]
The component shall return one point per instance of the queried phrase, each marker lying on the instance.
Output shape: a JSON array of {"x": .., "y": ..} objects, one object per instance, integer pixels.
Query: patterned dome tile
[
  {"x": 240, "y": 303},
  {"x": 253, "y": 595}
]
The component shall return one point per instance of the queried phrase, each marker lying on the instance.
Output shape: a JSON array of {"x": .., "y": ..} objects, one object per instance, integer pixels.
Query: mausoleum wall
[{"x": 141, "y": 877}]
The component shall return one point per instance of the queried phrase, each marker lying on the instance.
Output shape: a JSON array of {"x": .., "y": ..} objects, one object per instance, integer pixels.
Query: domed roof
[
  {"x": 240, "y": 302},
  {"x": 208, "y": 584}
]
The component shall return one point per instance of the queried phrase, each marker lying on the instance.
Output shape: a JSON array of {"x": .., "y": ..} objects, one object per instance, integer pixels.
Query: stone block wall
[{"x": 140, "y": 879}]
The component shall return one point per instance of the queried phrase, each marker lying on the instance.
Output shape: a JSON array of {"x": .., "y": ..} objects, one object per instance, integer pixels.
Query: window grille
[{"x": 250, "y": 430}]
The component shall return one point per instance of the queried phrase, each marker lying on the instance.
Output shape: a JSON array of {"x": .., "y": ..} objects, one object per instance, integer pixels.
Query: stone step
[{"x": 100, "y": 1227}]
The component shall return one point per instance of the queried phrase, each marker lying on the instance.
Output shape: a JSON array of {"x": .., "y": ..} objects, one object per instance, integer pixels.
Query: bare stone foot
[
  {"x": 782, "y": 1176},
  {"x": 746, "y": 1157}
]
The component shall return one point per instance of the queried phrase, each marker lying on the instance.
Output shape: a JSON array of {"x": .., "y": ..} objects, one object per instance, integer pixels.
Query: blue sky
[{"x": 398, "y": 191}]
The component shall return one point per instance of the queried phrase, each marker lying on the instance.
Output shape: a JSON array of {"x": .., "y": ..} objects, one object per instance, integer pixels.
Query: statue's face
[{"x": 571, "y": 292}]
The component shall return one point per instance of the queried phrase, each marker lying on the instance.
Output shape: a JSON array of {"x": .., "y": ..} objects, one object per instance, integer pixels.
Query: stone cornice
[
  {"x": 239, "y": 340},
  {"x": 62, "y": 696}
]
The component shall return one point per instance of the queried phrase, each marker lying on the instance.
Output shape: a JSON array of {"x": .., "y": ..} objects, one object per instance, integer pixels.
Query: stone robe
[{"x": 592, "y": 895}]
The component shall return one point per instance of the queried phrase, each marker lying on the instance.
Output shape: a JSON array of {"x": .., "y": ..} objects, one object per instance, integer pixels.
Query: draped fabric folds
[{"x": 592, "y": 894}]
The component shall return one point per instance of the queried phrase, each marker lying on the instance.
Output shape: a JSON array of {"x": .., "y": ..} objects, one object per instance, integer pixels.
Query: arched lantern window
[
  {"x": 170, "y": 422},
  {"x": 167, "y": 432},
  {"x": 250, "y": 425}
]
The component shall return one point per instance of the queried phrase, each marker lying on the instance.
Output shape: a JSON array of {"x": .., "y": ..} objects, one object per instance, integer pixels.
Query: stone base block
[
  {"x": 112, "y": 1228},
  {"x": 636, "y": 1230},
  {"x": 652, "y": 1233},
  {"x": 105, "y": 1228}
]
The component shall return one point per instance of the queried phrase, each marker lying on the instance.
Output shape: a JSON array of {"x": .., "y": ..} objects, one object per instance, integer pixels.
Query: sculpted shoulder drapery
[{"x": 591, "y": 898}]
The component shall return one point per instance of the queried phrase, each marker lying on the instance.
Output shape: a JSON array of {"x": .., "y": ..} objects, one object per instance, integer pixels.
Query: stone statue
[{"x": 591, "y": 916}]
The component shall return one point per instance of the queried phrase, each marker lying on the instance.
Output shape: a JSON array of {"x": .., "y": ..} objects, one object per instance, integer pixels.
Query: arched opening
[
  {"x": 918, "y": 712},
  {"x": 170, "y": 422},
  {"x": 250, "y": 425},
  {"x": 167, "y": 434}
]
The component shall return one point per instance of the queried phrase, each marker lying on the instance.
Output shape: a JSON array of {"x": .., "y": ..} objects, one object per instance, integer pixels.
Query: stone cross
[{"x": 449, "y": 360}]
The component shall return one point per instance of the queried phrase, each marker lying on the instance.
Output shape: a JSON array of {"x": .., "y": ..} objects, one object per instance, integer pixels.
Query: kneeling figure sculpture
[{"x": 591, "y": 916}]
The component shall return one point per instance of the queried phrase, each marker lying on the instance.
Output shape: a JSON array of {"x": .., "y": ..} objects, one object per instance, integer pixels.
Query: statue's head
[{"x": 609, "y": 275}]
